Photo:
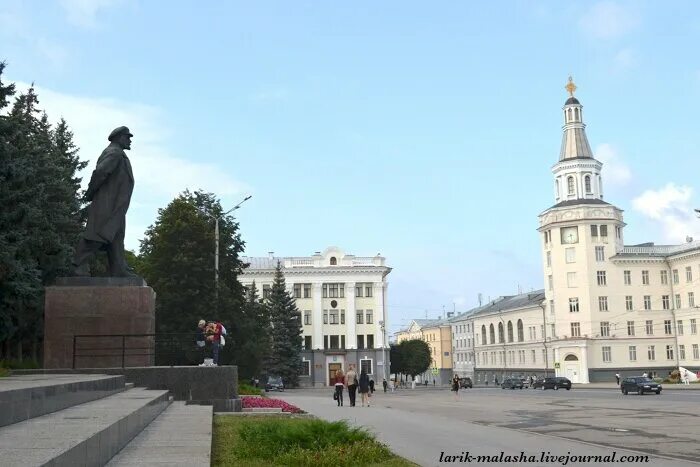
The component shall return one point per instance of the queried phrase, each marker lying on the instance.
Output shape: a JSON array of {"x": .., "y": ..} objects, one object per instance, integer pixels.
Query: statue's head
[{"x": 121, "y": 136}]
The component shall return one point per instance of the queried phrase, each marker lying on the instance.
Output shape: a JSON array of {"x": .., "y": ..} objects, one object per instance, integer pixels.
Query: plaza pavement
[{"x": 421, "y": 424}]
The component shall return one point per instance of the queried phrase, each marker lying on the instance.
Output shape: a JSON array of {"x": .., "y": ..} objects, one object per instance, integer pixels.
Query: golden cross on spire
[{"x": 570, "y": 87}]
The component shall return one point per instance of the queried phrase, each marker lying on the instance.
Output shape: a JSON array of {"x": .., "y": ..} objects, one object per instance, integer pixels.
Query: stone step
[
  {"x": 27, "y": 396},
  {"x": 88, "y": 434},
  {"x": 180, "y": 436}
]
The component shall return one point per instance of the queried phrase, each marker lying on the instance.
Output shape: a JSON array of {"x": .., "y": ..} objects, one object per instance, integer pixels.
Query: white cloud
[
  {"x": 84, "y": 12},
  {"x": 615, "y": 171},
  {"x": 671, "y": 209},
  {"x": 160, "y": 174},
  {"x": 609, "y": 20},
  {"x": 624, "y": 60}
]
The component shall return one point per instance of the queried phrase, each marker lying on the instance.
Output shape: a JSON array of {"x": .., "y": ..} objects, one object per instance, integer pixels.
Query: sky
[{"x": 422, "y": 131}]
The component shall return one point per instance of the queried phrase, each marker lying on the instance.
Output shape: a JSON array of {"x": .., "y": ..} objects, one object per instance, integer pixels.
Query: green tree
[
  {"x": 395, "y": 358},
  {"x": 177, "y": 260},
  {"x": 415, "y": 357},
  {"x": 254, "y": 336},
  {"x": 286, "y": 340}
]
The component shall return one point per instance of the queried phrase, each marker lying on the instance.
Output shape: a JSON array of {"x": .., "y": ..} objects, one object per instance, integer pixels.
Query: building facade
[
  {"x": 342, "y": 301},
  {"x": 462, "y": 331},
  {"x": 436, "y": 333}
]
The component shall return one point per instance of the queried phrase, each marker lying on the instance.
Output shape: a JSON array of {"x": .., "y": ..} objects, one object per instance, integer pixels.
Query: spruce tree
[
  {"x": 286, "y": 340},
  {"x": 253, "y": 336}
]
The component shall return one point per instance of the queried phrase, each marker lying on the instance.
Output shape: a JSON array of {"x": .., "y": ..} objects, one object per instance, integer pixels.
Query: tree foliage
[
  {"x": 286, "y": 341},
  {"x": 411, "y": 357}
]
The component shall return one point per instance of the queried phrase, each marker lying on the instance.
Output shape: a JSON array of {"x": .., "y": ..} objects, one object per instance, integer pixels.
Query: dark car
[
  {"x": 512, "y": 383},
  {"x": 274, "y": 383},
  {"x": 640, "y": 385},
  {"x": 465, "y": 383},
  {"x": 553, "y": 382}
]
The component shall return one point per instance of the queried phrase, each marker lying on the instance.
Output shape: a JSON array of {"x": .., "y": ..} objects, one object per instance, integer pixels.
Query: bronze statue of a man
[{"x": 109, "y": 191}]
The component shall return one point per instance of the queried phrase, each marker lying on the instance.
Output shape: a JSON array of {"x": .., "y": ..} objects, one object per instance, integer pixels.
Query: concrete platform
[
  {"x": 180, "y": 436},
  {"x": 27, "y": 396},
  {"x": 88, "y": 434}
]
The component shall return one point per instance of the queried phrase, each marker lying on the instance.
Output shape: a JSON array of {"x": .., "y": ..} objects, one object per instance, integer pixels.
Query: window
[
  {"x": 342, "y": 316},
  {"x": 604, "y": 231},
  {"x": 606, "y": 354},
  {"x": 492, "y": 334},
  {"x": 600, "y": 253},
  {"x": 334, "y": 261},
  {"x": 521, "y": 332},
  {"x": 649, "y": 327},
  {"x": 359, "y": 317},
  {"x": 368, "y": 290},
  {"x": 688, "y": 274},
  {"x": 630, "y": 328},
  {"x": 297, "y": 290},
  {"x": 667, "y": 327},
  {"x": 307, "y": 317},
  {"x": 678, "y": 300},
  {"x": 483, "y": 335},
  {"x": 693, "y": 327},
  {"x": 603, "y": 303},
  {"x": 325, "y": 316},
  {"x": 366, "y": 365},
  {"x": 571, "y": 279},
  {"x": 570, "y": 185},
  {"x": 601, "y": 278},
  {"x": 681, "y": 352},
  {"x": 358, "y": 290},
  {"x": 669, "y": 352},
  {"x": 618, "y": 232},
  {"x": 696, "y": 352},
  {"x": 333, "y": 317},
  {"x": 666, "y": 302},
  {"x": 305, "y": 368},
  {"x": 510, "y": 331},
  {"x": 534, "y": 356},
  {"x": 647, "y": 302},
  {"x": 575, "y": 329},
  {"x": 691, "y": 299},
  {"x": 307, "y": 290},
  {"x": 550, "y": 282},
  {"x": 368, "y": 316},
  {"x": 267, "y": 291},
  {"x": 587, "y": 178},
  {"x": 664, "y": 277},
  {"x": 549, "y": 259},
  {"x": 651, "y": 352},
  {"x": 629, "y": 306},
  {"x": 307, "y": 342},
  {"x": 604, "y": 329},
  {"x": 551, "y": 307},
  {"x": 342, "y": 341},
  {"x": 594, "y": 231},
  {"x": 573, "y": 305},
  {"x": 628, "y": 277},
  {"x": 335, "y": 342},
  {"x": 552, "y": 332},
  {"x": 680, "y": 327},
  {"x": 645, "y": 277},
  {"x": 370, "y": 341},
  {"x": 501, "y": 337},
  {"x": 633, "y": 353},
  {"x": 675, "y": 276},
  {"x": 570, "y": 255}
]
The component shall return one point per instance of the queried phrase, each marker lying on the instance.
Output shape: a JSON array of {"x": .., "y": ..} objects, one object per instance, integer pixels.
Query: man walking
[
  {"x": 384, "y": 384},
  {"x": 617, "y": 377}
]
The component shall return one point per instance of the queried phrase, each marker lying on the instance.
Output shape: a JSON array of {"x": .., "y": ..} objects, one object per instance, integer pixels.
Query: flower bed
[{"x": 264, "y": 402}]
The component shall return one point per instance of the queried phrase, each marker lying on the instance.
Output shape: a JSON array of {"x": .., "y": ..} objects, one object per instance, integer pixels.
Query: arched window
[
  {"x": 569, "y": 114},
  {"x": 500, "y": 333},
  {"x": 571, "y": 358},
  {"x": 577, "y": 115},
  {"x": 521, "y": 333},
  {"x": 492, "y": 334},
  {"x": 587, "y": 183},
  {"x": 510, "y": 331},
  {"x": 483, "y": 334},
  {"x": 556, "y": 187},
  {"x": 334, "y": 262},
  {"x": 570, "y": 185}
]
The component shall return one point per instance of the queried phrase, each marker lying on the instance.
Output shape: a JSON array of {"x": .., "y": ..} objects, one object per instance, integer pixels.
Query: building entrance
[{"x": 332, "y": 368}]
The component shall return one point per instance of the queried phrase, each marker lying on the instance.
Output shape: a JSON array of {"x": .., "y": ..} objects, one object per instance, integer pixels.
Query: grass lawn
[{"x": 295, "y": 441}]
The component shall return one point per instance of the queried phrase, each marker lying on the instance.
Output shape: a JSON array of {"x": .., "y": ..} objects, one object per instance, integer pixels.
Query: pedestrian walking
[
  {"x": 364, "y": 387},
  {"x": 617, "y": 378},
  {"x": 687, "y": 377},
  {"x": 339, "y": 382},
  {"x": 495, "y": 380},
  {"x": 433, "y": 381},
  {"x": 351, "y": 383},
  {"x": 455, "y": 386},
  {"x": 384, "y": 384}
]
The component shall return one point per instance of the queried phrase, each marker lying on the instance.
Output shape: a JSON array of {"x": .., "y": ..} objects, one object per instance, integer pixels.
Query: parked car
[
  {"x": 465, "y": 382},
  {"x": 553, "y": 382},
  {"x": 274, "y": 383},
  {"x": 512, "y": 383},
  {"x": 640, "y": 385},
  {"x": 526, "y": 382}
]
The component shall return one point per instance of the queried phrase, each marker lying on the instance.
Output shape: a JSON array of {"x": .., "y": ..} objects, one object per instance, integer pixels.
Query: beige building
[
  {"x": 436, "y": 333},
  {"x": 342, "y": 300}
]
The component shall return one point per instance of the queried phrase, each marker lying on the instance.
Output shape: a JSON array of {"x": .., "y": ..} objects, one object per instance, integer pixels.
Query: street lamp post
[
  {"x": 216, "y": 244},
  {"x": 383, "y": 329}
]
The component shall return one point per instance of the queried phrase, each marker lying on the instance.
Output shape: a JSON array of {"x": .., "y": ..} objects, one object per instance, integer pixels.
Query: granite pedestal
[{"x": 99, "y": 306}]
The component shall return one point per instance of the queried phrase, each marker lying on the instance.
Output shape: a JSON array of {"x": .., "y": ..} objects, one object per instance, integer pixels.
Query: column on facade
[
  {"x": 584, "y": 365},
  {"x": 379, "y": 293},
  {"x": 556, "y": 359},
  {"x": 317, "y": 316},
  {"x": 350, "y": 318}
]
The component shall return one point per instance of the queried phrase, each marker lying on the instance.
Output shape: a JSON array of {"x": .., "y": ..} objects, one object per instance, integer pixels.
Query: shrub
[
  {"x": 17, "y": 365},
  {"x": 248, "y": 390},
  {"x": 4, "y": 372}
]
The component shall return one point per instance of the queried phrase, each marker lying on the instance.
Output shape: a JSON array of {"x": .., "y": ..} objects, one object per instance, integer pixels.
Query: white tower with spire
[{"x": 580, "y": 232}]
